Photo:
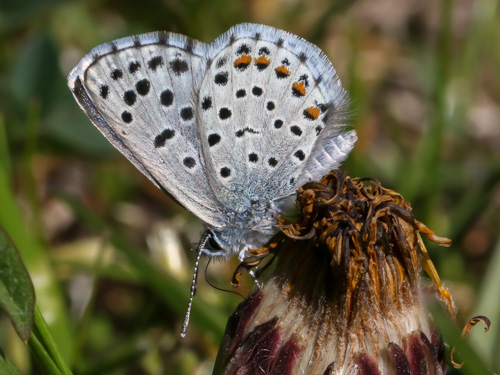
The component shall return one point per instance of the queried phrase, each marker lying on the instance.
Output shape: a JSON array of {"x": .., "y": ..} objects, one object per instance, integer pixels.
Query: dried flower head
[{"x": 345, "y": 294}]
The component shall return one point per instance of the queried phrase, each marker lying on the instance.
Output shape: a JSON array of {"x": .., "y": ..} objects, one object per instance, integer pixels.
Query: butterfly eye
[{"x": 212, "y": 245}]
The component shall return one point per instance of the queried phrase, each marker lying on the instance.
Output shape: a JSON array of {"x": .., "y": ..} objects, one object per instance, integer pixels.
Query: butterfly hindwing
[
  {"x": 275, "y": 115},
  {"x": 141, "y": 93}
]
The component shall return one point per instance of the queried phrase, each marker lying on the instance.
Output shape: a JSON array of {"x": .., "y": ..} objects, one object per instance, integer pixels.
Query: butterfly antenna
[
  {"x": 216, "y": 287},
  {"x": 201, "y": 245}
]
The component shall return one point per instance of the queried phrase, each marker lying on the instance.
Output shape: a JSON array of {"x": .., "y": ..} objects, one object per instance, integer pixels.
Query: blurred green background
[{"x": 108, "y": 253}]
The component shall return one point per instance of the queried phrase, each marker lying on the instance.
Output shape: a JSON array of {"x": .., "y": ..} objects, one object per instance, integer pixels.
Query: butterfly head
[
  {"x": 249, "y": 230},
  {"x": 214, "y": 246}
]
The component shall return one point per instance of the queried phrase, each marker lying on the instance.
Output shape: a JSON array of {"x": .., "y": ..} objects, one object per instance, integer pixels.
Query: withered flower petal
[{"x": 344, "y": 293}]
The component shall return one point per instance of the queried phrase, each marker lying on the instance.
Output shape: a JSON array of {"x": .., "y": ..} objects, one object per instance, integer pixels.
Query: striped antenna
[{"x": 201, "y": 245}]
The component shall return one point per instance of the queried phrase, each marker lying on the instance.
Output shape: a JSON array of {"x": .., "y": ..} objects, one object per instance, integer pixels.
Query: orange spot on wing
[
  {"x": 262, "y": 60},
  {"x": 313, "y": 112},
  {"x": 299, "y": 88},
  {"x": 282, "y": 70},
  {"x": 243, "y": 60}
]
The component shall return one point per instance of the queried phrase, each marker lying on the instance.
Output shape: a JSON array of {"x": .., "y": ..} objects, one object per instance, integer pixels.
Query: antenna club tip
[{"x": 185, "y": 325}]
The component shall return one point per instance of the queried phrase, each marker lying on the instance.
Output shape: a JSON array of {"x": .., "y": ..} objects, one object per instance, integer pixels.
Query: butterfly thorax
[{"x": 246, "y": 230}]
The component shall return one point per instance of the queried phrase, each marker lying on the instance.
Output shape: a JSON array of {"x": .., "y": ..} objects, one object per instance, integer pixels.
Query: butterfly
[{"x": 229, "y": 129}]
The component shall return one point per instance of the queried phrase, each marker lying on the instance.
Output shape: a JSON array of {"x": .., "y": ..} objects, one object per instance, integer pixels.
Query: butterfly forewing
[{"x": 145, "y": 90}]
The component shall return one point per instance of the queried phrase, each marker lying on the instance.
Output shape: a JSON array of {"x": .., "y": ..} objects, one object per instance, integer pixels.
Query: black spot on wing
[
  {"x": 163, "y": 137},
  {"x": 143, "y": 87},
  {"x": 104, "y": 91},
  {"x": 221, "y": 62},
  {"x": 224, "y": 113},
  {"x": 302, "y": 57},
  {"x": 253, "y": 157},
  {"x": 213, "y": 139},
  {"x": 206, "y": 103},
  {"x": 225, "y": 172},
  {"x": 257, "y": 91},
  {"x": 134, "y": 66},
  {"x": 299, "y": 154},
  {"x": 270, "y": 106},
  {"x": 296, "y": 130},
  {"x": 323, "y": 107},
  {"x": 167, "y": 98},
  {"x": 126, "y": 117},
  {"x": 155, "y": 62},
  {"x": 179, "y": 66},
  {"x": 272, "y": 162},
  {"x": 116, "y": 74},
  {"x": 305, "y": 78},
  {"x": 189, "y": 162},
  {"x": 187, "y": 113},
  {"x": 137, "y": 41},
  {"x": 264, "y": 51},
  {"x": 221, "y": 78},
  {"x": 129, "y": 97},
  {"x": 280, "y": 42},
  {"x": 241, "y": 93},
  {"x": 241, "y": 132},
  {"x": 278, "y": 124},
  {"x": 114, "y": 47},
  {"x": 243, "y": 49}
]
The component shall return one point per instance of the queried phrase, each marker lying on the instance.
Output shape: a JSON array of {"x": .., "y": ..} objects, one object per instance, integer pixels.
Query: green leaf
[{"x": 17, "y": 296}]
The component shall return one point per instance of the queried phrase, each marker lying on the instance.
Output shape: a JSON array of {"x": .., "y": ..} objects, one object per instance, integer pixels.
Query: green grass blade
[
  {"x": 42, "y": 356},
  {"x": 44, "y": 336},
  {"x": 17, "y": 296}
]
